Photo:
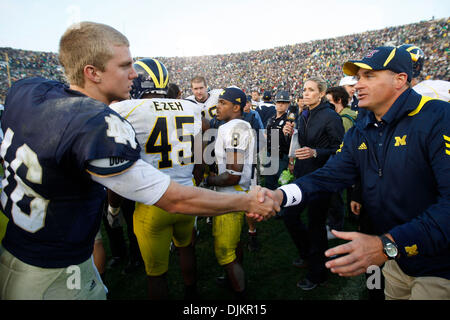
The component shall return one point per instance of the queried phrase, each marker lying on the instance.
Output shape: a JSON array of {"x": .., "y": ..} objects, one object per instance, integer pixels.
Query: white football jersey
[
  {"x": 438, "y": 89},
  {"x": 235, "y": 136},
  {"x": 165, "y": 130},
  {"x": 256, "y": 104},
  {"x": 209, "y": 107}
]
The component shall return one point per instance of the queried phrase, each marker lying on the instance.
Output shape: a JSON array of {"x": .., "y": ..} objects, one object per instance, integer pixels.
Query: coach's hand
[
  {"x": 360, "y": 253},
  {"x": 263, "y": 204}
]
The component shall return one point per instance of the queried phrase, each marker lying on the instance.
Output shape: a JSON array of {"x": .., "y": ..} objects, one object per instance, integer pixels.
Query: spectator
[
  {"x": 320, "y": 132},
  {"x": 174, "y": 91},
  {"x": 255, "y": 98},
  {"x": 339, "y": 98},
  {"x": 266, "y": 109},
  {"x": 348, "y": 83},
  {"x": 275, "y": 126},
  {"x": 281, "y": 68}
]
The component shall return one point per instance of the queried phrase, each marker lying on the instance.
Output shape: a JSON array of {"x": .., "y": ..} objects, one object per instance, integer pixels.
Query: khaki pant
[
  {"x": 400, "y": 286},
  {"x": 21, "y": 281}
]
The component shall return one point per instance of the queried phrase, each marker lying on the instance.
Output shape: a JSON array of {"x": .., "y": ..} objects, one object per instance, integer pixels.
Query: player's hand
[
  {"x": 264, "y": 204},
  {"x": 355, "y": 207},
  {"x": 361, "y": 252},
  {"x": 288, "y": 128},
  {"x": 114, "y": 217},
  {"x": 204, "y": 183}
]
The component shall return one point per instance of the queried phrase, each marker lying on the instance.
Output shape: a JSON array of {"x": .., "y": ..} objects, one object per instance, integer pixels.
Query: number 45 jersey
[
  {"x": 165, "y": 129},
  {"x": 52, "y": 135}
]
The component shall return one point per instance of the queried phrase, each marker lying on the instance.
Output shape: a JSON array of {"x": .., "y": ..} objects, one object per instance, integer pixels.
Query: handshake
[{"x": 264, "y": 203}]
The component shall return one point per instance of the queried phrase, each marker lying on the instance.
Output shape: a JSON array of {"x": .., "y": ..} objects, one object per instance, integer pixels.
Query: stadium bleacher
[{"x": 280, "y": 68}]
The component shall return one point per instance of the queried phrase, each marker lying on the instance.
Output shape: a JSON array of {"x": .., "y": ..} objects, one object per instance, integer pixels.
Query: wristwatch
[
  {"x": 314, "y": 153},
  {"x": 389, "y": 247}
]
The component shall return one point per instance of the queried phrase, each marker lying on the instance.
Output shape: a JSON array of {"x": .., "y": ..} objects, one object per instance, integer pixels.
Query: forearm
[{"x": 201, "y": 202}]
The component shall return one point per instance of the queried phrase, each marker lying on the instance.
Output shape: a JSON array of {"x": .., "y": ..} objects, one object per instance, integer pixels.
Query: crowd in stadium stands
[{"x": 281, "y": 68}]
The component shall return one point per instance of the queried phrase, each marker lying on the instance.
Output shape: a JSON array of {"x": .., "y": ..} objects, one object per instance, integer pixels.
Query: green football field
[{"x": 269, "y": 271}]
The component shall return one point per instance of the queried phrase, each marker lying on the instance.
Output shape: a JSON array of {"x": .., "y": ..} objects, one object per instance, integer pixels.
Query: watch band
[{"x": 389, "y": 247}]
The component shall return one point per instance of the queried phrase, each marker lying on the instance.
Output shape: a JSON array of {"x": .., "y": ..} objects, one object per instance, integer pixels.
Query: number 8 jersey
[
  {"x": 165, "y": 130},
  {"x": 236, "y": 136}
]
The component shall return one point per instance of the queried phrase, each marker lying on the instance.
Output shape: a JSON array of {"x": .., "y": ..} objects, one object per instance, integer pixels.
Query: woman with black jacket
[{"x": 320, "y": 132}]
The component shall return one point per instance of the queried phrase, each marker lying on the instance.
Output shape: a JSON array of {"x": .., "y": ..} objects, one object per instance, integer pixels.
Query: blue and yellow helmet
[
  {"x": 153, "y": 77},
  {"x": 417, "y": 57}
]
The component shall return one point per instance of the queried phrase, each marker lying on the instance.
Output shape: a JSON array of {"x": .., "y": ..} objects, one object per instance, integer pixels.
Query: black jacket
[
  {"x": 323, "y": 131},
  {"x": 275, "y": 123}
]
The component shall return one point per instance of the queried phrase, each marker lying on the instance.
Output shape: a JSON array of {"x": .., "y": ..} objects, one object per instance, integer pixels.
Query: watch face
[{"x": 391, "y": 250}]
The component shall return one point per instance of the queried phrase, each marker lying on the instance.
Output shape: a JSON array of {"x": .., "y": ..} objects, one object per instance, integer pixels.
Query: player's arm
[
  {"x": 114, "y": 213},
  {"x": 143, "y": 183},
  {"x": 204, "y": 202},
  {"x": 233, "y": 172},
  {"x": 198, "y": 171}
]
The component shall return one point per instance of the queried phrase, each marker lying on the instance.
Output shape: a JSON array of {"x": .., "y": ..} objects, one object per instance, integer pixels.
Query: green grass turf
[{"x": 269, "y": 271}]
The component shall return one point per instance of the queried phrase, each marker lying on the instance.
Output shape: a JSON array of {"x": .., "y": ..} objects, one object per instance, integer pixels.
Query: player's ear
[
  {"x": 236, "y": 108},
  {"x": 91, "y": 73}
]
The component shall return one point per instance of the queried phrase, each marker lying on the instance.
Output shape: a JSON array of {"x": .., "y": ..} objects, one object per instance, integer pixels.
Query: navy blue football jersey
[{"x": 52, "y": 135}]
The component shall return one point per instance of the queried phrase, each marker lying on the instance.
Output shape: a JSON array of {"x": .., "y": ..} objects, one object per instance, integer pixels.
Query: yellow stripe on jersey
[
  {"x": 140, "y": 104},
  {"x": 424, "y": 100},
  {"x": 447, "y": 144}
]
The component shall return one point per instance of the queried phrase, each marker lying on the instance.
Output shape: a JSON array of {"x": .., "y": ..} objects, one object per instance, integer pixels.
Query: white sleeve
[
  {"x": 142, "y": 183},
  {"x": 293, "y": 194},
  {"x": 238, "y": 138}
]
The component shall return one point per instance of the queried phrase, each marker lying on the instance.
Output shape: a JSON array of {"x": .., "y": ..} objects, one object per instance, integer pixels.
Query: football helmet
[
  {"x": 417, "y": 57},
  {"x": 153, "y": 77}
]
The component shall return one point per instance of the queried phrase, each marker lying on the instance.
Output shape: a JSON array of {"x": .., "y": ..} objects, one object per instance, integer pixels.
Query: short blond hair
[
  {"x": 87, "y": 43},
  {"x": 198, "y": 79}
]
